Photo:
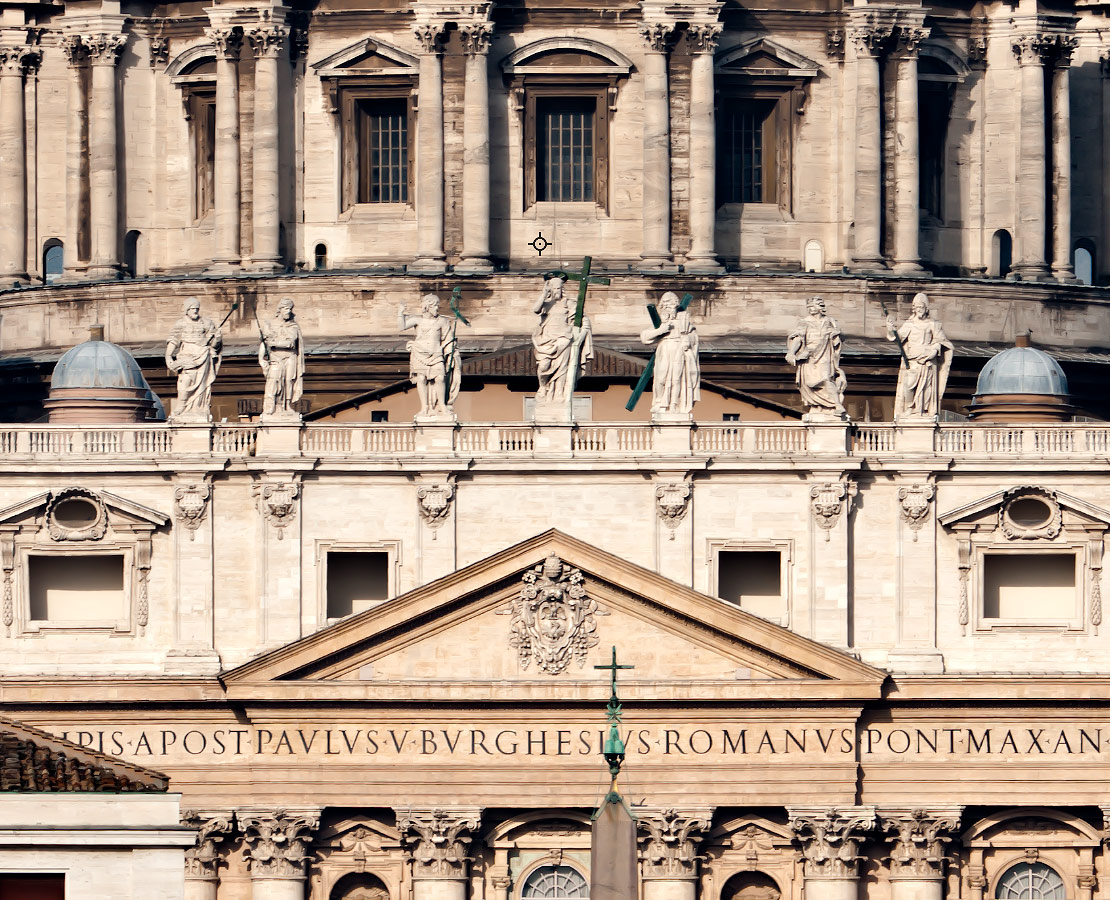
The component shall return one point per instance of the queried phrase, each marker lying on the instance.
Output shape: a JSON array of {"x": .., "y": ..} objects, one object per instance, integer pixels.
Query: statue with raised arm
[
  {"x": 281, "y": 355},
  {"x": 193, "y": 352},
  {"x": 677, "y": 376},
  {"x": 814, "y": 348},
  {"x": 926, "y": 360},
  {"x": 562, "y": 348},
  {"x": 435, "y": 366}
]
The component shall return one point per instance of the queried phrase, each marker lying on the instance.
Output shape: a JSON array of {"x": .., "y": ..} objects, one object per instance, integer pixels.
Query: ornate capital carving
[
  {"x": 672, "y": 501},
  {"x": 704, "y": 38},
  {"x": 476, "y": 38},
  {"x": 434, "y": 503},
  {"x": 77, "y": 54},
  {"x": 834, "y": 43},
  {"x": 669, "y": 845},
  {"x": 829, "y": 501},
  {"x": 914, "y": 501},
  {"x": 1032, "y": 49},
  {"x": 439, "y": 840},
  {"x": 909, "y": 38},
  {"x": 202, "y": 860},
  {"x": 1066, "y": 45},
  {"x": 918, "y": 838},
  {"x": 190, "y": 501},
  {"x": 159, "y": 50},
  {"x": 19, "y": 59},
  {"x": 870, "y": 40},
  {"x": 552, "y": 618},
  {"x": 278, "y": 503},
  {"x": 228, "y": 41},
  {"x": 831, "y": 838},
  {"x": 276, "y": 844},
  {"x": 977, "y": 51},
  {"x": 657, "y": 35},
  {"x": 267, "y": 40},
  {"x": 430, "y": 36},
  {"x": 104, "y": 49}
]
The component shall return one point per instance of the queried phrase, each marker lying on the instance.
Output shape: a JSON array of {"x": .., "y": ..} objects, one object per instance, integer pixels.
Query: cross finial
[{"x": 613, "y": 710}]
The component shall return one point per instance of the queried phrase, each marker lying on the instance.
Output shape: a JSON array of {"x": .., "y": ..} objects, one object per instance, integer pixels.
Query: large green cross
[
  {"x": 613, "y": 710},
  {"x": 584, "y": 279},
  {"x": 649, "y": 369}
]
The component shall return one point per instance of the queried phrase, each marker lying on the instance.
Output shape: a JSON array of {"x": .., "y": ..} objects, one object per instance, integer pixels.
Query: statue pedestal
[
  {"x": 672, "y": 438},
  {"x": 664, "y": 418},
  {"x": 557, "y": 413},
  {"x": 828, "y": 436},
  {"x": 915, "y": 433},
  {"x": 435, "y": 434},
  {"x": 279, "y": 435},
  {"x": 191, "y": 438},
  {"x": 553, "y": 438}
]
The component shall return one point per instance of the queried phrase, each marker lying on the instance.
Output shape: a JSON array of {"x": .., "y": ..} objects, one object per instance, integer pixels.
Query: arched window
[
  {"x": 321, "y": 254},
  {"x": 131, "y": 254},
  {"x": 750, "y": 886},
  {"x": 359, "y": 886},
  {"x": 1002, "y": 254},
  {"x": 53, "y": 259},
  {"x": 935, "y": 88},
  {"x": 555, "y": 883},
  {"x": 1030, "y": 881},
  {"x": 1084, "y": 262}
]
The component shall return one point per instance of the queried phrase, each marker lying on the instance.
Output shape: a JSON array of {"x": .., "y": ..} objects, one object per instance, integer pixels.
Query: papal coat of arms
[{"x": 552, "y": 618}]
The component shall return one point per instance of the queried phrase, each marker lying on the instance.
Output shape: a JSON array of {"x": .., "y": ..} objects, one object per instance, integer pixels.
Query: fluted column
[
  {"x": 669, "y": 851},
  {"x": 267, "y": 42},
  {"x": 77, "y": 167},
  {"x": 228, "y": 41},
  {"x": 439, "y": 843},
  {"x": 430, "y": 257},
  {"x": 869, "y": 41},
  {"x": 476, "y": 181},
  {"x": 702, "y": 257},
  {"x": 104, "y": 54},
  {"x": 277, "y": 846},
  {"x": 918, "y": 839},
  {"x": 1031, "y": 205},
  {"x": 830, "y": 841},
  {"x": 1062, "y": 267},
  {"x": 656, "y": 253},
  {"x": 907, "y": 187},
  {"x": 14, "y": 62},
  {"x": 202, "y": 860}
]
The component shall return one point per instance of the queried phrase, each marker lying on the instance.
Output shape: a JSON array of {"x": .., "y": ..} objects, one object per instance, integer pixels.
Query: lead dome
[
  {"x": 1022, "y": 384},
  {"x": 97, "y": 364},
  {"x": 98, "y": 382}
]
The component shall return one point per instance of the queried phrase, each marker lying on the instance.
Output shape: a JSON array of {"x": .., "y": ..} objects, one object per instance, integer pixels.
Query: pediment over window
[
  {"x": 764, "y": 58},
  {"x": 1027, "y": 512},
  {"x": 194, "y": 64},
  {"x": 367, "y": 57},
  {"x": 566, "y": 56},
  {"x": 79, "y": 514}
]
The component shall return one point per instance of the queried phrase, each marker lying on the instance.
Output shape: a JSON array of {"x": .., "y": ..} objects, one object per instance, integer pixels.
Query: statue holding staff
[
  {"x": 193, "y": 352},
  {"x": 433, "y": 353},
  {"x": 281, "y": 355},
  {"x": 677, "y": 376},
  {"x": 926, "y": 362},
  {"x": 814, "y": 348},
  {"x": 562, "y": 348}
]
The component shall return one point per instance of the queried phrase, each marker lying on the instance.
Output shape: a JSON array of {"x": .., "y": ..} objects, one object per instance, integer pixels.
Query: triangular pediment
[
  {"x": 542, "y": 614},
  {"x": 1027, "y": 512},
  {"x": 78, "y": 513},
  {"x": 762, "y": 56},
  {"x": 366, "y": 57}
]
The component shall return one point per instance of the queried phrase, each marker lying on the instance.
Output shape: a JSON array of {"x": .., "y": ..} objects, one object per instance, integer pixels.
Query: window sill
[
  {"x": 378, "y": 212},
  {"x": 754, "y": 212},
  {"x": 574, "y": 211},
  {"x": 985, "y": 626},
  {"x": 42, "y": 626}
]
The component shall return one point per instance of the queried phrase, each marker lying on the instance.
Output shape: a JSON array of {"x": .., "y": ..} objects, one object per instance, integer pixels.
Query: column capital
[
  {"x": 267, "y": 39},
  {"x": 430, "y": 36},
  {"x": 1032, "y": 49},
  {"x": 870, "y": 40},
  {"x": 830, "y": 838},
  {"x": 704, "y": 38},
  {"x": 917, "y": 840},
  {"x": 476, "y": 37},
  {"x": 908, "y": 39},
  {"x": 203, "y": 858},
  {"x": 19, "y": 59},
  {"x": 658, "y": 35},
  {"x": 669, "y": 842},
  {"x": 77, "y": 54},
  {"x": 439, "y": 839},
  {"x": 1066, "y": 45},
  {"x": 277, "y": 842},
  {"x": 228, "y": 40},
  {"x": 104, "y": 49}
]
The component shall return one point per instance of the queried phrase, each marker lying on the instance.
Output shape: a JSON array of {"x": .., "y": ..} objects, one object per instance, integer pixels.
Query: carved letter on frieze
[
  {"x": 915, "y": 505},
  {"x": 279, "y": 504},
  {"x": 672, "y": 501},
  {"x": 439, "y": 839},
  {"x": 831, "y": 839},
  {"x": 669, "y": 845},
  {"x": 917, "y": 840},
  {"x": 202, "y": 860},
  {"x": 552, "y": 618},
  {"x": 277, "y": 844},
  {"x": 190, "y": 503},
  {"x": 434, "y": 503},
  {"x": 828, "y": 502}
]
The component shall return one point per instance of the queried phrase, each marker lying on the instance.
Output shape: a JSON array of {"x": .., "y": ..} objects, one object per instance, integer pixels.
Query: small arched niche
[
  {"x": 1083, "y": 260},
  {"x": 359, "y": 886},
  {"x": 751, "y": 886},
  {"x": 53, "y": 261},
  {"x": 813, "y": 257},
  {"x": 1002, "y": 254}
]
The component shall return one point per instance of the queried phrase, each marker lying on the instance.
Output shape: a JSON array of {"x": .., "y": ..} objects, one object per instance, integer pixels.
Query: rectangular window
[
  {"x": 75, "y": 588},
  {"x": 204, "y": 149},
  {"x": 382, "y": 129},
  {"x": 356, "y": 581},
  {"x": 32, "y": 887},
  {"x": 1029, "y": 587},
  {"x": 752, "y": 579},
  {"x": 746, "y": 152},
  {"x": 565, "y": 148}
]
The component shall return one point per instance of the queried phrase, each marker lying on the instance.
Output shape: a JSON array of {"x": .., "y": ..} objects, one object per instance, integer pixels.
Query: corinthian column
[
  {"x": 439, "y": 841},
  {"x": 669, "y": 851},
  {"x": 702, "y": 257},
  {"x": 475, "y": 252},
  {"x": 869, "y": 41},
  {"x": 277, "y": 846},
  {"x": 228, "y": 41},
  {"x": 830, "y": 840},
  {"x": 1030, "y": 49},
  {"x": 657, "y": 148},
  {"x": 907, "y": 186},
  {"x": 202, "y": 860},
  {"x": 1062, "y": 268},
  {"x": 14, "y": 61},
  {"x": 77, "y": 166},
  {"x": 917, "y": 852},
  {"x": 430, "y": 258},
  {"x": 104, "y": 53},
  {"x": 267, "y": 41}
]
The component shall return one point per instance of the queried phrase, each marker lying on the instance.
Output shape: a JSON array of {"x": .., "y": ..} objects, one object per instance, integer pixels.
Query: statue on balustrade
[
  {"x": 435, "y": 365},
  {"x": 814, "y": 348},
  {"x": 926, "y": 361},
  {"x": 193, "y": 352},
  {"x": 562, "y": 348},
  {"x": 281, "y": 355},
  {"x": 676, "y": 384}
]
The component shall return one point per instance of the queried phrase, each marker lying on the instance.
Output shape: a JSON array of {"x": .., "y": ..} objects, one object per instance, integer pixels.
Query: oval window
[
  {"x": 1029, "y": 512},
  {"x": 75, "y": 513}
]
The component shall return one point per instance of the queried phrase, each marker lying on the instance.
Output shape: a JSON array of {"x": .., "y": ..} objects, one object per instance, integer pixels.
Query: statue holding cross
[{"x": 677, "y": 375}]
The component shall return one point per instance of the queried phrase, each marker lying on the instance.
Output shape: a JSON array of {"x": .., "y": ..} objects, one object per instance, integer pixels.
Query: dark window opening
[
  {"x": 357, "y": 581},
  {"x": 1029, "y": 586},
  {"x": 321, "y": 254},
  {"x": 53, "y": 261},
  {"x": 565, "y": 149},
  {"x": 752, "y": 579},
  {"x": 32, "y": 887},
  {"x": 934, "y": 111},
  {"x": 746, "y": 152},
  {"x": 383, "y": 150},
  {"x": 75, "y": 588}
]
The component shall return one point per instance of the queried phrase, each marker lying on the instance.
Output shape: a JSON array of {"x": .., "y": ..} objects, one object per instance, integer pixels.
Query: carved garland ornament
[
  {"x": 434, "y": 503},
  {"x": 279, "y": 504},
  {"x": 552, "y": 618},
  {"x": 831, "y": 840},
  {"x": 828, "y": 502},
  {"x": 190, "y": 504},
  {"x": 202, "y": 860},
  {"x": 672, "y": 501},
  {"x": 918, "y": 842},
  {"x": 277, "y": 844},
  {"x": 915, "y": 505},
  {"x": 441, "y": 840}
]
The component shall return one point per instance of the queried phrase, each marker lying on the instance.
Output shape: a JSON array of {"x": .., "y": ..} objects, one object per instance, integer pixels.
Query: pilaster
[
  {"x": 430, "y": 258},
  {"x": 702, "y": 37},
  {"x": 476, "y": 36},
  {"x": 278, "y": 495},
  {"x": 673, "y": 493},
  {"x": 194, "y": 637},
  {"x": 658, "y": 34},
  {"x": 830, "y": 529},
  {"x": 18, "y": 57},
  {"x": 435, "y": 506},
  {"x": 268, "y": 41},
  {"x": 75, "y": 255},
  {"x": 1062, "y": 267},
  {"x": 228, "y": 40},
  {"x": 916, "y": 647},
  {"x": 907, "y": 201}
]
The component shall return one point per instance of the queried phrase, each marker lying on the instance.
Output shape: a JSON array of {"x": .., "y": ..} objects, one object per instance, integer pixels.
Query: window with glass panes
[
  {"x": 746, "y": 152},
  {"x": 383, "y": 150},
  {"x": 565, "y": 155}
]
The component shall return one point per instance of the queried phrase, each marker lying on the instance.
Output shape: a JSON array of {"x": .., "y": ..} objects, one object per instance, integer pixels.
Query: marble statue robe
[
  {"x": 921, "y": 383},
  {"x": 554, "y": 340},
  {"x": 281, "y": 355},
  {"x": 814, "y": 348},
  {"x": 676, "y": 384},
  {"x": 194, "y": 351}
]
